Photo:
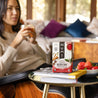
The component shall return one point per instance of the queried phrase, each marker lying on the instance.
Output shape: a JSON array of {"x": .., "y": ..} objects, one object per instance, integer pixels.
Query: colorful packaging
[{"x": 62, "y": 57}]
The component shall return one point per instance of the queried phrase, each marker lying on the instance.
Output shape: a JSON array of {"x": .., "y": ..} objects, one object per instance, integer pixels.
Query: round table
[{"x": 81, "y": 85}]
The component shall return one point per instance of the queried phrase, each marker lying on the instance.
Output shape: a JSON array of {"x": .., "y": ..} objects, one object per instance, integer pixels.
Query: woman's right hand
[{"x": 21, "y": 35}]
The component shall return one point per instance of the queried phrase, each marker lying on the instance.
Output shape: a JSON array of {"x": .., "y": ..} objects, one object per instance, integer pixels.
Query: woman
[
  {"x": 17, "y": 54},
  {"x": 19, "y": 51}
]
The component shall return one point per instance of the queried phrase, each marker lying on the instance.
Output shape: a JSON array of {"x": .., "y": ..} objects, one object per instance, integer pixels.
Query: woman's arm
[
  {"x": 6, "y": 59},
  {"x": 36, "y": 47},
  {"x": 39, "y": 51},
  {"x": 21, "y": 35}
]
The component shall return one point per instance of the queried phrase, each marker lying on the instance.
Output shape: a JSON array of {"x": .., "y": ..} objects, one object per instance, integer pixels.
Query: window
[
  {"x": 44, "y": 9},
  {"x": 60, "y": 10},
  {"x": 23, "y": 9},
  {"x": 77, "y": 9}
]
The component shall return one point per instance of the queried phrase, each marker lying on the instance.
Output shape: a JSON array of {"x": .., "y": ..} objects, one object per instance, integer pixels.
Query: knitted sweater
[{"x": 25, "y": 57}]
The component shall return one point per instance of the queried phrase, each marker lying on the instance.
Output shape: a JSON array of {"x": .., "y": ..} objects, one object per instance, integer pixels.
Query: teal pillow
[{"x": 77, "y": 29}]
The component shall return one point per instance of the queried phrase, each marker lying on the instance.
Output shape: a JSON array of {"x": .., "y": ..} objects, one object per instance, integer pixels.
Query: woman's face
[{"x": 12, "y": 14}]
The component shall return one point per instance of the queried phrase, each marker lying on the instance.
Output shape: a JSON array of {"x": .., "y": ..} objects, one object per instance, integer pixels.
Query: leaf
[
  {"x": 94, "y": 64},
  {"x": 67, "y": 60},
  {"x": 85, "y": 68}
]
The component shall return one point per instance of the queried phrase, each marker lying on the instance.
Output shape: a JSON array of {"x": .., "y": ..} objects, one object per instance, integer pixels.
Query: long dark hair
[{"x": 3, "y": 9}]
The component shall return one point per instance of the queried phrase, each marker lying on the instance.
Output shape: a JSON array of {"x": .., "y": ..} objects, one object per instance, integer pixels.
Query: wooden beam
[
  {"x": 65, "y": 9},
  {"x": 93, "y": 9},
  {"x": 29, "y": 9},
  {"x": 60, "y": 10}
]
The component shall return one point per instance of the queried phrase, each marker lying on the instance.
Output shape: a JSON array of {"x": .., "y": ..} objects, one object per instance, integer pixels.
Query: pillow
[
  {"x": 52, "y": 29},
  {"x": 93, "y": 26},
  {"x": 64, "y": 34},
  {"x": 77, "y": 29}
]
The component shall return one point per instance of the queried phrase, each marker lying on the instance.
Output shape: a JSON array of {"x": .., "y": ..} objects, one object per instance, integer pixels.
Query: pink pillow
[{"x": 53, "y": 29}]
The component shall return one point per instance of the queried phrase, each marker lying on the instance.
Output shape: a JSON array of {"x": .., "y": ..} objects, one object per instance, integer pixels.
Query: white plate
[{"x": 92, "y": 71}]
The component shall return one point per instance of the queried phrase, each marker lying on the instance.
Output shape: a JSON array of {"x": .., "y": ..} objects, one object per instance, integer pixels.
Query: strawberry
[
  {"x": 95, "y": 67},
  {"x": 88, "y": 65},
  {"x": 80, "y": 65}
]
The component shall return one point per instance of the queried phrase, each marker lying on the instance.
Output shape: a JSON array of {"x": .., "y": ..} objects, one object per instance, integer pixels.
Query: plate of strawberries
[{"x": 89, "y": 66}]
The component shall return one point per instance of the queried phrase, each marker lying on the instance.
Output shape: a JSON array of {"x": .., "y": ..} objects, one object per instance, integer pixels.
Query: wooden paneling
[{"x": 86, "y": 50}]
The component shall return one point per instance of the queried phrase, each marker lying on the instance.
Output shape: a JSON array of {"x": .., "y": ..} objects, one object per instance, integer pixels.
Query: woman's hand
[
  {"x": 32, "y": 38},
  {"x": 23, "y": 34}
]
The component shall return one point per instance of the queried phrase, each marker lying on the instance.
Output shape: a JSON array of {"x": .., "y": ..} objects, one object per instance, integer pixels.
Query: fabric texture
[
  {"x": 93, "y": 26},
  {"x": 77, "y": 29},
  {"x": 53, "y": 29},
  {"x": 25, "y": 57},
  {"x": 64, "y": 34}
]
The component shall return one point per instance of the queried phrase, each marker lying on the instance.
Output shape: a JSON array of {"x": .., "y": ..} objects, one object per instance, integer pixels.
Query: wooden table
[{"x": 71, "y": 85}]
